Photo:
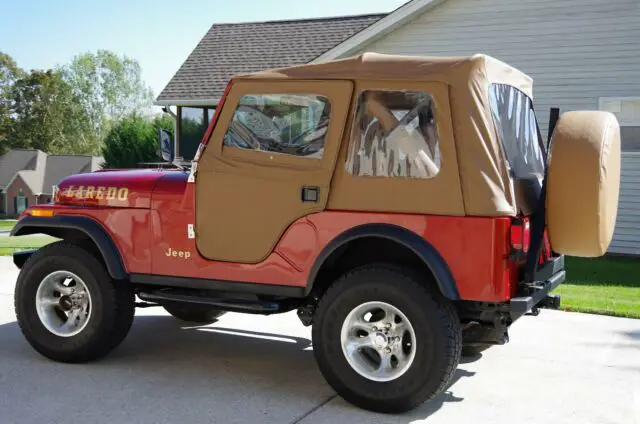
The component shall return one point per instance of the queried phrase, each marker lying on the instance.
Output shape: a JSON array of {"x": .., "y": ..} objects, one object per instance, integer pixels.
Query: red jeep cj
[{"x": 406, "y": 207}]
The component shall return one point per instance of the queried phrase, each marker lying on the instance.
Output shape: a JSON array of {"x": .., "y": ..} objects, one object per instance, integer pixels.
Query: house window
[
  {"x": 517, "y": 128},
  {"x": 394, "y": 135},
  {"x": 627, "y": 111},
  {"x": 290, "y": 124},
  {"x": 194, "y": 122}
]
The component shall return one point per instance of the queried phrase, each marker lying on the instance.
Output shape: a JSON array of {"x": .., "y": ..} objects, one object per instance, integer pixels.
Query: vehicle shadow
[
  {"x": 632, "y": 334},
  {"x": 182, "y": 362}
]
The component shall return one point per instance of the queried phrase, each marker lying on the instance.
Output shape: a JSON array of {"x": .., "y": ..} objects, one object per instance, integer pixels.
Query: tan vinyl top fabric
[
  {"x": 486, "y": 187},
  {"x": 456, "y": 70}
]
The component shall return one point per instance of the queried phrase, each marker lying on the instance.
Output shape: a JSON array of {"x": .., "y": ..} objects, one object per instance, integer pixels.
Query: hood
[{"x": 114, "y": 189}]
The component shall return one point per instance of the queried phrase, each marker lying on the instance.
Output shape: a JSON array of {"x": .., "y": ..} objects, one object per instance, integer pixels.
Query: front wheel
[
  {"x": 384, "y": 341},
  {"x": 68, "y": 307}
]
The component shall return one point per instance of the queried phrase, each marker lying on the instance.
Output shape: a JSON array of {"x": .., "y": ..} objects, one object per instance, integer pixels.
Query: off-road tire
[
  {"x": 435, "y": 322},
  {"x": 112, "y": 304},
  {"x": 199, "y": 314}
]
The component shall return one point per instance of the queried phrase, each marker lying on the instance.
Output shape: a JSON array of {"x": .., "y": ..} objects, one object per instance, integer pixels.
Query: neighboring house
[
  {"x": 27, "y": 176},
  {"x": 582, "y": 54}
]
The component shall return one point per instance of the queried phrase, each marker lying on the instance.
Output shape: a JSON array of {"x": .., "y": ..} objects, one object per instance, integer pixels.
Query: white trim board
[{"x": 392, "y": 21}]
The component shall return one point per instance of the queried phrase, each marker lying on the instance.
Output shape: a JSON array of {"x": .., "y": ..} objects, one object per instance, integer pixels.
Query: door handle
[{"x": 310, "y": 194}]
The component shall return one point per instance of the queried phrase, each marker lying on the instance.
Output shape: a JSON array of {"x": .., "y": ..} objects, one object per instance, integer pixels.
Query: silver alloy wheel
[
  {"x": 63, "y": 303},
  {"x": 378, "y": 341}
]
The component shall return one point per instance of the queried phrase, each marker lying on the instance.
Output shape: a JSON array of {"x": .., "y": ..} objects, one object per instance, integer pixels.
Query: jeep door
[{"x": 269, "y": 162}]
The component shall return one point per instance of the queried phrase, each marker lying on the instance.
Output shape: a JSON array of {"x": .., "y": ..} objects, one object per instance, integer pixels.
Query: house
[
  {"x": 581, "y": 54},
  {"x": 27, "y": 176}
]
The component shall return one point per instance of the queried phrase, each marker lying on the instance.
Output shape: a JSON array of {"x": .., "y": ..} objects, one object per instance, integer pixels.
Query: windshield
[{"x": 517, "y": 128}]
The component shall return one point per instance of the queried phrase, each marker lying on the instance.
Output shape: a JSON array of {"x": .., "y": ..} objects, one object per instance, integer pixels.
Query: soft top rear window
[{"x": 517, "y": 128}]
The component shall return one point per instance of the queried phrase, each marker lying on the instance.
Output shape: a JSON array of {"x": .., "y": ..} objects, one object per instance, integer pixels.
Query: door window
[
  {"x": 394, "y": 135},
  {"x": 289, "y": 124}
]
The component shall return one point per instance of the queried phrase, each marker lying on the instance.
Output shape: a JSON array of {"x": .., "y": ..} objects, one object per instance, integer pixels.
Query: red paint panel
[
  {"x": 475, "y": 249},
  {"x": 299, "y": 244},
  {"x": 130, "y": 229}
]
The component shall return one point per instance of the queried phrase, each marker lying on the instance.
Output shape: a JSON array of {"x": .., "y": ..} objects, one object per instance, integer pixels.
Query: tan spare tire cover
[{"x": 583, "y": 183}]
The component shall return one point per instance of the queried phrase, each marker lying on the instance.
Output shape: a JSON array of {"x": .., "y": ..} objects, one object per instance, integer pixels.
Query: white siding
[
  {"x": 576, "y": 51},
  {"x": 626, "y": 239}
]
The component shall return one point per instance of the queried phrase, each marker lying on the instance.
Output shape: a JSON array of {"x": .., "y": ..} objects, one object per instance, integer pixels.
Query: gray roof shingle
[{"x": 228, "y": 49}]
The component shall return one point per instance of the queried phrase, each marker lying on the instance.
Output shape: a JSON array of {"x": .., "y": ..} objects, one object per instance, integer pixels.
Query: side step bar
[{"x": 234, "y": 305}]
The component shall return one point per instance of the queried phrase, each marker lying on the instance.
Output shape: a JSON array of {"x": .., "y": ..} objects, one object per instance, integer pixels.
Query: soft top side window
[
  {"x": 394, "y": 135},
  {"x": 290, "y": 124},
  {"x": 517, "y": 128}
]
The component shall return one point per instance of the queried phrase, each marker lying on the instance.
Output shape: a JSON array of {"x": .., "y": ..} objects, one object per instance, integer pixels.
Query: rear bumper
[{"x": 536, "y": 294}]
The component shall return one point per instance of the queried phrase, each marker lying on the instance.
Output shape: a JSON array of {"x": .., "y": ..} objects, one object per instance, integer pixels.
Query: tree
[
  {"x": 46, "y": 115},
  {"x": 109, "y": 88},
  {"x": 133, "y": 140},
  {"x": 9, "y": 73}
]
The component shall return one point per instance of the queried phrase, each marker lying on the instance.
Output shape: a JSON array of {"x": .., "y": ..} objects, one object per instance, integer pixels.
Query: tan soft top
[
  {"x": 379, "y": 66},
  {"x": 475, "y": 179}
]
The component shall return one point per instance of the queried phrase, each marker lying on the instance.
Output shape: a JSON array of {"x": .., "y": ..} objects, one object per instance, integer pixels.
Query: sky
[{"x": 159, "y": 34}]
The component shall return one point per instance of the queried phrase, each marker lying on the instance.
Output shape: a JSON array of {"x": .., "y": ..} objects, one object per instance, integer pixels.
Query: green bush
[{"x": 133, "y": 141}]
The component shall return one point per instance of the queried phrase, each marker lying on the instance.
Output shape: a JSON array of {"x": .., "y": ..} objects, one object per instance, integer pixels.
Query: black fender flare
[
  {"x": 55, "y": 226},
  {"x": 407, "y": 238}
]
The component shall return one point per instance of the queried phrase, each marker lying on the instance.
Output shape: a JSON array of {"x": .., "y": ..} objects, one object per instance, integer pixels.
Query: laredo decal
[{"x": 99, "y": 193}]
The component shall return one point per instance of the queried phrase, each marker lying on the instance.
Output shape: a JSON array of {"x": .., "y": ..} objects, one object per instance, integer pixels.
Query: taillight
[{"x": 520, "y": 234}]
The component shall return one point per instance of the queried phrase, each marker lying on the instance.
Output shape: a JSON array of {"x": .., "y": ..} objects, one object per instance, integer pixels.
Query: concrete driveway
[{"x": 558, "y": 368}]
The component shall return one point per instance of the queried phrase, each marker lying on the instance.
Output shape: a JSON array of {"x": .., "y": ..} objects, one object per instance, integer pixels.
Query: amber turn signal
[{"x": 41, "y": 212}]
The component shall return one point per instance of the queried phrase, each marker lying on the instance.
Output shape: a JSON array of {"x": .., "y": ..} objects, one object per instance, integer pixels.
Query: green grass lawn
[
  {"x": 8, "y": 245},
  {"x": 7, "y": 224},
  {"x": 608, "y": 285}
]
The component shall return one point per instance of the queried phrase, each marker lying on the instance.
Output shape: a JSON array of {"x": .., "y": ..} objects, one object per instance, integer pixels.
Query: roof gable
[
  {"x": 61, "y": 166},
  {"x": 40, "y": 171},
  {"x": 401, "y": 16},
  {"x": 230, "y": 49},
  {"x": 16, "y": 160}
]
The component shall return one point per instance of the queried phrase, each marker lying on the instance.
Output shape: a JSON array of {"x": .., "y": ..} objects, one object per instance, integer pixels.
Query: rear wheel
[
  {"x": 68, "y": 307},
  {"x": 384, "y": 341},
  {"x": 200, "y": 314}
]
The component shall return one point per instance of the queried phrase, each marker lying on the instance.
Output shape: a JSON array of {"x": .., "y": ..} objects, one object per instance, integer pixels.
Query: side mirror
[{"x": 166, "y": 145}]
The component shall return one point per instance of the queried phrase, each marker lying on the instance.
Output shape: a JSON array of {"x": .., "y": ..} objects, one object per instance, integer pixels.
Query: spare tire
[{"x": 583, "y": 183}]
